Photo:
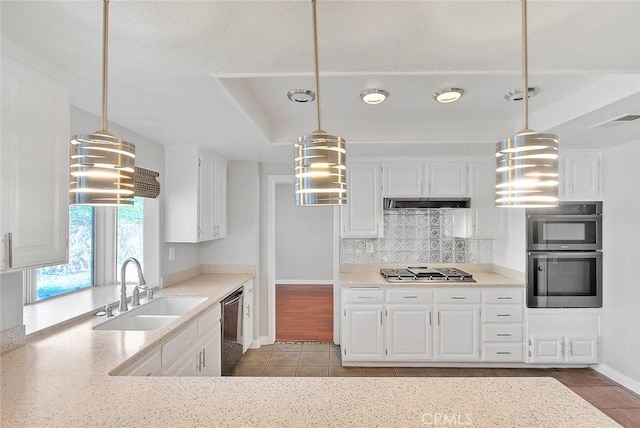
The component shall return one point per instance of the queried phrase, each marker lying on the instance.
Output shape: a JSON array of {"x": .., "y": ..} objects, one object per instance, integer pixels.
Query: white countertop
[
  {"x": 364, "y": 275},
  {"x": 62, "y": 379}
]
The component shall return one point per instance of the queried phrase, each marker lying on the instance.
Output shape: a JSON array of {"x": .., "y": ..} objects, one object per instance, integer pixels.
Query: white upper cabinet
[
  {"x": 424, "y": 179},
  {"x": 580, "y": 175},
  {"x": 484, "y": 219},
  {"x": 195, "y": 195},
  {"x": 362, "y": 215},
  {"x": 34, "y": 168}
]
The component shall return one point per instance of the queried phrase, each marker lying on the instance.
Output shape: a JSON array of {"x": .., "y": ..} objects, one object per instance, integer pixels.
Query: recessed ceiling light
[
  {"x": 301, "y": 95},
  {"x": 374, "y": 96},
  {"x": 516, "y": 94},
  {"x": 448, "y": 95}
]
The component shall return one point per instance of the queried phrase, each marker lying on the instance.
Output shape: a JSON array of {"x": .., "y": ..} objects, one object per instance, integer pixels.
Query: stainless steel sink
[{"x": 152, "y": 315}]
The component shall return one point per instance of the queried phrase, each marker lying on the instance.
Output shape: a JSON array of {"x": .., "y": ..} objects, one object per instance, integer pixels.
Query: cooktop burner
[{"x": 426, "y": 274}]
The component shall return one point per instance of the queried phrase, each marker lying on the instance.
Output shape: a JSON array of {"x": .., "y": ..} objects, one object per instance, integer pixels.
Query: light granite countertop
[
  {"x": 62, "y": 379},
  {"x": 367, "y": 275}
]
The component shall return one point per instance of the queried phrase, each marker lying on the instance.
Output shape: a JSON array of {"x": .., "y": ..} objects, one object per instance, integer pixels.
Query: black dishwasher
[{"x": 232, "y": 331}]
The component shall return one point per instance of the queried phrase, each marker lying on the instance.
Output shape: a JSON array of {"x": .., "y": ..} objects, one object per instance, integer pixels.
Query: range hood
[{"x": 391, "y": 203}]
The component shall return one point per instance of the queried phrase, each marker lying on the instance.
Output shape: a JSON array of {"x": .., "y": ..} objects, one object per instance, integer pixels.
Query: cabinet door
[
  {"x": 206, "y": 196},
  {"x": 458, "y": 332},
  {"x": 34, "y": 168},
  {"x": 187, "y": 365},
  {"x": 363, "y": 333},
  {"x": 220, "y": 199},
  {"x": 247, "y": 322},
  {"x": 362, "y": 215},
  {"x": 149, "y": 366},
  {"x": 209, "y": 354},
  {"x": 446, "y": 179},
  {"x": 580, "y": 177},
  {"x": 486, "y": 220},
  {"x": 546, "y": 349},
  {"x": 409, "y": 333},
  {"x": 581, "y": 349},
  {"x": 403, "y": 179}
]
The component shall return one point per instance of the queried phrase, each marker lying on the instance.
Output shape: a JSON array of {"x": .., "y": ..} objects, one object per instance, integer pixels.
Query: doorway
[{"x": 302, "y": 267}]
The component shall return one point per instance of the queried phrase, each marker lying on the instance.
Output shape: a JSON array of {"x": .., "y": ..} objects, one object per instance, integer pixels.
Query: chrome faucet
[{"x": 123, "y": 286}]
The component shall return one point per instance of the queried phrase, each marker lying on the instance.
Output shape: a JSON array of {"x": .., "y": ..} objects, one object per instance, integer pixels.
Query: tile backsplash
[{"x": 417, "y": 236}]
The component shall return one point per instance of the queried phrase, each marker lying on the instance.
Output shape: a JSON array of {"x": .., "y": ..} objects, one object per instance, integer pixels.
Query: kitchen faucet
[{"x": 123, "y": 286}]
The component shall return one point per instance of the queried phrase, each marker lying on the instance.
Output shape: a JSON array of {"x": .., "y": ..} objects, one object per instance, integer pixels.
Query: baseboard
[
  {"x": 304, "y": 282},
  {"x": 263, "y": 340},
  {"x": 621, "y": 378}
]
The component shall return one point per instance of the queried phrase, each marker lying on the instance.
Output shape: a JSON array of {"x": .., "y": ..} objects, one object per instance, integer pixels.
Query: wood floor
[
  {"x": 304, "y": 313},
  {"x": 323, "y": 359}
]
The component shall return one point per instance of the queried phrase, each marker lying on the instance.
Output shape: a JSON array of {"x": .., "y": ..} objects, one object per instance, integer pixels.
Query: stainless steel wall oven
[{"x": 564, "y": 247}]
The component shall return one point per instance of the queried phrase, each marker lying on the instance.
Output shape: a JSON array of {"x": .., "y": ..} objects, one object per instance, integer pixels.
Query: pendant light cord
[
  {"x": 105, "y": 60},
  {"x": 315, "y": 57},
  {"x": 525, "y": 77}
]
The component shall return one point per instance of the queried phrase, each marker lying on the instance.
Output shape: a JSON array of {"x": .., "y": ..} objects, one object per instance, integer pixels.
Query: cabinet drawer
[
  {"x": 176, "y": 346},
  {"x": 209, "y": 320},
  {"x": 458, "y": 295},
  {"x": 502, "y": 296},
  {"x": 415, "y": 295},
  {"x": 502, "y": 351},
  {"x": 502, "y": 313},
  {"x": 501, "y": 333},
  {"x": 365, "y": 295}
]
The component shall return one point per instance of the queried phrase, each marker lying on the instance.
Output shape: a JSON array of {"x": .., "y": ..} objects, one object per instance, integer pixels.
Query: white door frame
[{"x": 272, "y": 182}]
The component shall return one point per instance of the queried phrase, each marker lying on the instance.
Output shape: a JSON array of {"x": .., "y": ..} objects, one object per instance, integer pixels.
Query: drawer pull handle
[
  {"x": 458, "y": 298},
  {"x": 505, "y": 298},
  {"x": 409, "y": 297},
  {"x": 504, "y": 315},
  {"x": 503, "y": 334},
  {"x": 365, "y": 297},
  {"x": 503, "y": 353}
]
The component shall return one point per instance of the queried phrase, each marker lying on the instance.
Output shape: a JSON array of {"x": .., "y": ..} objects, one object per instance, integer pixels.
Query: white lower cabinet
[
  {"x": 563, "y": 349},
  {"x": 247, "y": 317},
  {"x": 419, "y": 325},
  {"x": 409, "y": 332},
  {"x": 194, "y": 351},
  {"x": 363, "y": 333},
  {"x": 563, "y": 336},
  {"x": 502, "y": 325},
  {"x": 458, "y": 332}
]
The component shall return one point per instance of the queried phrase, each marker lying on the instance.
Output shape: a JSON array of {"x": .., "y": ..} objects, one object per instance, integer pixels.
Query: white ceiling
[{"x": 216, "y": 73}]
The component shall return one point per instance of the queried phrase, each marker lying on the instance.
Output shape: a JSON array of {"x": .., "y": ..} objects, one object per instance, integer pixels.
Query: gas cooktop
[{"x": 426, "y": 274}]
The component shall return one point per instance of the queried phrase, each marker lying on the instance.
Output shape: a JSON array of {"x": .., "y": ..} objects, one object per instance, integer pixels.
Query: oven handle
[
  {"x": 566, "y": 254},
  {"x": 567, "y": 217},
  {"x": 234, "y": 301}
]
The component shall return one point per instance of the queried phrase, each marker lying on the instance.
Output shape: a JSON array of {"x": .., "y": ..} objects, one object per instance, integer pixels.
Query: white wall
[
  {"x": 304, "y": 239},
  {"x": 10, "y": 300},
  {"x": 511, "y": 252},
  {"x": 621, "y": 259},
  {"x": 240, "y": 247}
]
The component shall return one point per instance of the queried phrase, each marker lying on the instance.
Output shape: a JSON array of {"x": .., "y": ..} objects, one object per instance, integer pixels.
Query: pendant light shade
[
  {"x": 527, "y": 164},
  {"x": 320, "y": 170},
  {"x": 101, "y": 165},
  {"x": 320, "y": 158}
]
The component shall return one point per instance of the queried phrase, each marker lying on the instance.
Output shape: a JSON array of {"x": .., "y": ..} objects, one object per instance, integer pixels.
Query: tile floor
[{"x": 323, "y": 359}]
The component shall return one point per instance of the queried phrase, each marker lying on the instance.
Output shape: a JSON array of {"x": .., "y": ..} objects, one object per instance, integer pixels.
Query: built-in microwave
[
  {"x": 572, "y": 226},
  {"x": 564, "y": 279}
]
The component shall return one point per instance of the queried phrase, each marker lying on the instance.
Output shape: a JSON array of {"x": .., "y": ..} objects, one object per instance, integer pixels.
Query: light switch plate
[
  {"x": 172, "y": 253},
  {"x": 369, "y": 247}
]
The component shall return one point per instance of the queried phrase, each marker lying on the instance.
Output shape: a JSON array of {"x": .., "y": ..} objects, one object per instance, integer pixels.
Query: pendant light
[
  {"x": 320, "y": 158},
  {"x": 527, "y": 164},
  {"x": 102, "y": 165}
]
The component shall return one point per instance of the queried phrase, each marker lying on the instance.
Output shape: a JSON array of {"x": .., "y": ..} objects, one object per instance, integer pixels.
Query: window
[
  {"x": 78, "y": 273},
  {"x": 100, "y": 239},
  {"x": 130, "y": 236}
]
